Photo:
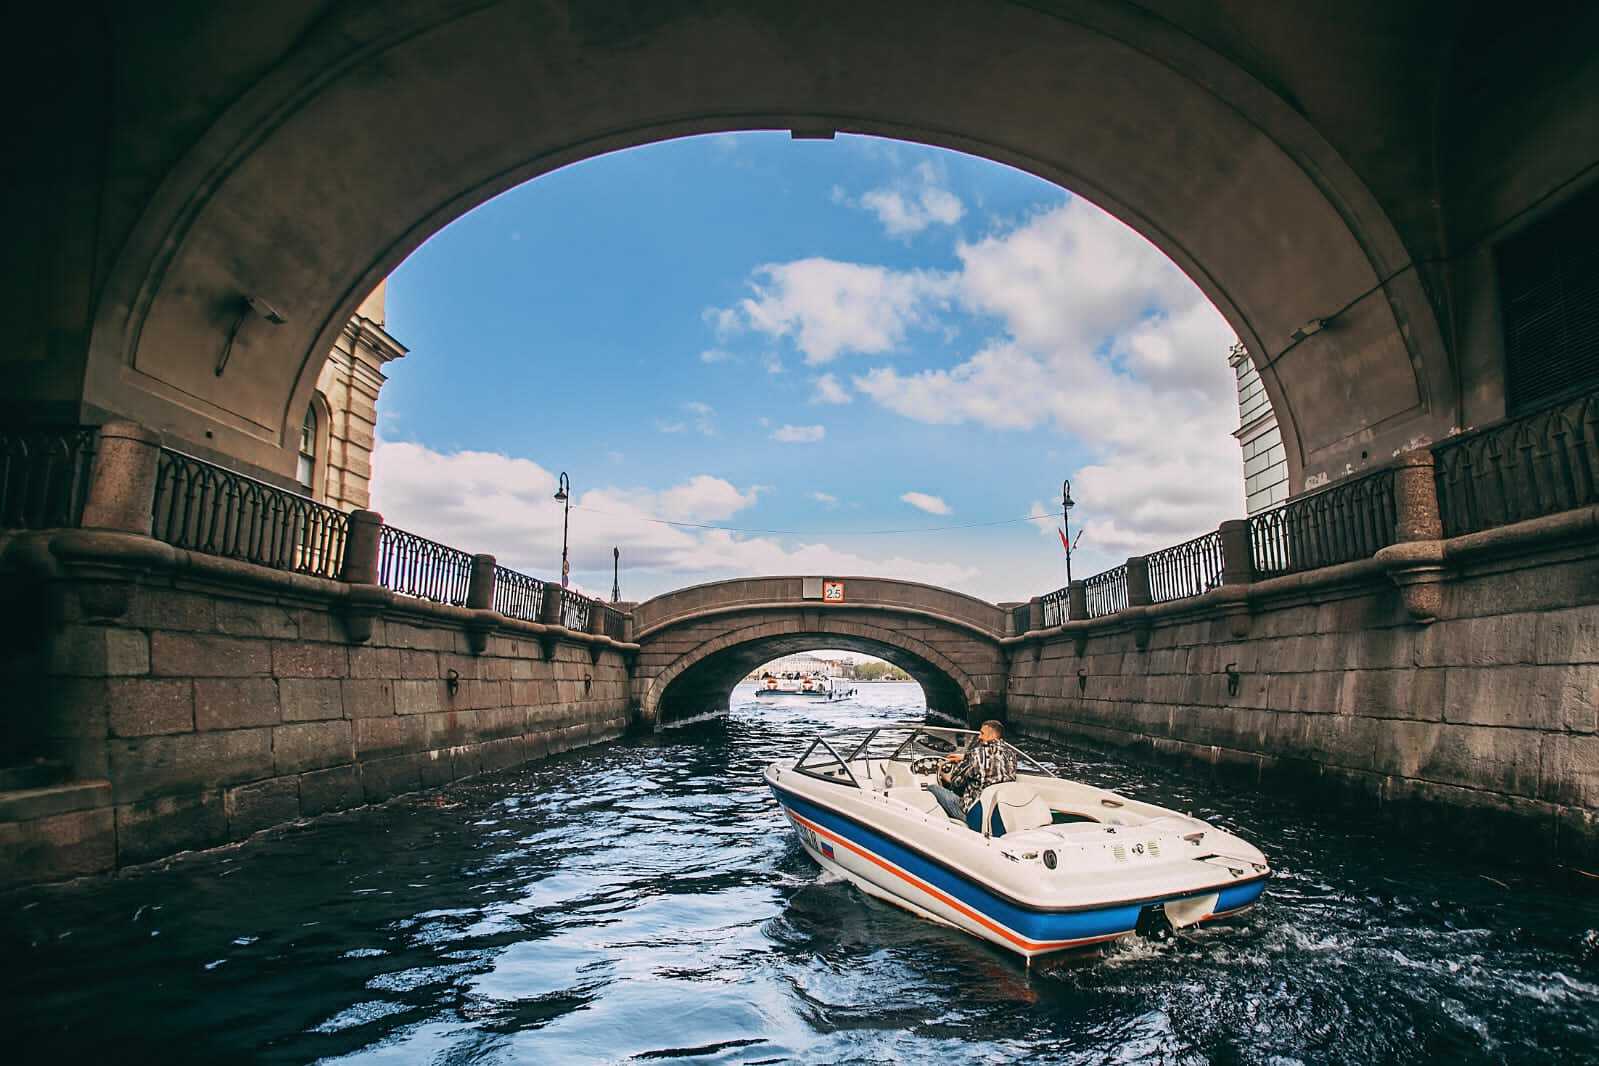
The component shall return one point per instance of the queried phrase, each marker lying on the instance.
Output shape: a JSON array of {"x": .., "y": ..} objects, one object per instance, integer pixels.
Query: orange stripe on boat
[{"x": 949, "y": 901}]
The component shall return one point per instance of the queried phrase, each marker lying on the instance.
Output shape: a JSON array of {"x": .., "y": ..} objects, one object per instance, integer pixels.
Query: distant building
[
  {"x": 808, "y": 664},
  {"x": 1265, "y": 459},
  {"x": 340, "y": 428}
]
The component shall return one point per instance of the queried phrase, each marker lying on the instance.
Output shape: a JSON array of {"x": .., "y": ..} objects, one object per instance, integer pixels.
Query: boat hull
[{"x": 893, "y": 871}]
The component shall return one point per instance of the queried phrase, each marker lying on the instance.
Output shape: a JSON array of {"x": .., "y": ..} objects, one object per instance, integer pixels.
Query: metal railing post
[
  {"x": 361, "y": 544},
  {"x": 1238, "y": 558},
  {"x": 122, "y": 479}
]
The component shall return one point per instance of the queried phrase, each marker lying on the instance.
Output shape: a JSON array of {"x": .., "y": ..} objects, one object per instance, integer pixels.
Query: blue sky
[{"x": 821, "y": 338}]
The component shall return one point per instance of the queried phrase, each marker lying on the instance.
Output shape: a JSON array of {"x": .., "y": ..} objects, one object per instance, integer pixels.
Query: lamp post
[
  {"x": 563, "y": 493},
  {"x": 1066, "y": 505},
  {"x": 616, "y": 575}
]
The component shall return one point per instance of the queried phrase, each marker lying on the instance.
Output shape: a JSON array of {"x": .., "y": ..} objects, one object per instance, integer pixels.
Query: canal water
[{"x": 644, "y": 902}]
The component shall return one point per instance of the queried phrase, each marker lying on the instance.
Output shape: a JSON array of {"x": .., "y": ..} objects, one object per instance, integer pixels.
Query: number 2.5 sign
[{"x": 832, "y": 592}]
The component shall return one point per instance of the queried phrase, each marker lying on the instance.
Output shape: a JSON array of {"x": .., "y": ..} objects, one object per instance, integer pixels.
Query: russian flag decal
[{"x": 827, "y": 849}]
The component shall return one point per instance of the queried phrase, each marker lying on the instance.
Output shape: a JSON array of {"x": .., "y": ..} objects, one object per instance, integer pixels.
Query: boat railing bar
[{"x": 800, "y": 768}]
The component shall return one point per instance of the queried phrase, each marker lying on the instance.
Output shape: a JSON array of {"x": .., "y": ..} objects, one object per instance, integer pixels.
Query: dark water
[{"x": 645, "y": 902}]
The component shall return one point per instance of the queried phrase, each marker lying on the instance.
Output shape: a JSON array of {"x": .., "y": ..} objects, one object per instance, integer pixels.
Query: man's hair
[{"x": 996, "y": 725}]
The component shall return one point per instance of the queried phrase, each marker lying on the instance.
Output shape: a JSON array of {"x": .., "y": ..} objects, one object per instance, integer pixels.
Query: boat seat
[{"x": 1012, "y": 807}]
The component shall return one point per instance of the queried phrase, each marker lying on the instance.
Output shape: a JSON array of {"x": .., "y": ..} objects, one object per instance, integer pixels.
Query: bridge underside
[{"x": 704, "y": 688}]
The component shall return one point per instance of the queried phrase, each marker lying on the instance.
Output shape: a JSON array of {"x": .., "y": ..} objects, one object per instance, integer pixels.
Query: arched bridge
[{"x": 695, "y": 644}]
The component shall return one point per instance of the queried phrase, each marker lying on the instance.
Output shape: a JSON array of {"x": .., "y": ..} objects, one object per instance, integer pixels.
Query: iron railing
[
  {"x": 1349, "y": 521},
  {"x": 1057, "y": 606},
  {"x": 1185, "y": 569},
  {"x": 44, "y": 476},
  {"x": 518, "y": 596},
  {"x": 206, "y": 508},
  {"x": 1539, "y": 464},
  {"x": 415, "y": 566},
  {"x": 574, "y": 608},
  {"x": 1106, "y": 592},
  {"x": 612, "y": 622},
  {"x": 1021, "y": 617}
]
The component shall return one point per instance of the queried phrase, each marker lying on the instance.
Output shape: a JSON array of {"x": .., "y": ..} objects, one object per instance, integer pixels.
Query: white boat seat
[{"x": 1012, "y": 807}]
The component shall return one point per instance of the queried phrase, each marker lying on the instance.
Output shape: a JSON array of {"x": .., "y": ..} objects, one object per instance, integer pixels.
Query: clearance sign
[{"x": 826, "y": 589}]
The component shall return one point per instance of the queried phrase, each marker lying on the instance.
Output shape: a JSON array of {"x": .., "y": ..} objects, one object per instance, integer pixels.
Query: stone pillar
[
  {"x": 1416, "y": 498},
  {"x": 122, "y": 479},
  {"x": 480, "y": 585},
  {"x": 597, "y": 618},
  {"x": 1076, "y": 601},
  {"x": 1035, "y": 614},
  {"x": 1138, "y": 594},
  {"x": 550, "y": 610},
  {"x": 1416, "y": 561},
  {"x": 1237, "y": 557},
  {"x": 361, "y": 544}
]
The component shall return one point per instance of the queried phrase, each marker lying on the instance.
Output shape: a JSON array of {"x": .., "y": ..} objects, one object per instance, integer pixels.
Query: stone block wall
[
  {"x": 1484, "y": 719},
  {"x": 210, "y": 709}
]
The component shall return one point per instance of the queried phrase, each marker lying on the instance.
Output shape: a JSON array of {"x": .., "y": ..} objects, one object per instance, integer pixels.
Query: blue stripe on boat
[{"x": 1032, "y": 924}]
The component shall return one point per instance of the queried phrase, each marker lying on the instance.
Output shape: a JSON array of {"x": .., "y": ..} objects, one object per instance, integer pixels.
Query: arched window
[{"x": 306, "y": 469}]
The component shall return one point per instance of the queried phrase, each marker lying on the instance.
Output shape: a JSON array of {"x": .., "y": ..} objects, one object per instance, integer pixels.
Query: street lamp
[
  {"x": 1066, "y": 505},
  {"x": 563, "y": 493},
  {"x": 616, "y": 575}
]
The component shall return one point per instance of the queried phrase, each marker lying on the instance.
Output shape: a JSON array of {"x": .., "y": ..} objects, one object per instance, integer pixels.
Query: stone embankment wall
[
  {"x": 1485, "y": 716},
  {"x": 195, "y": 700}
]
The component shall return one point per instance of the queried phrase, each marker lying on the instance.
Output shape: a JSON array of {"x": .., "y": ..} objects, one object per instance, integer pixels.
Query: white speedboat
[{"x": 1041, "y": 864}]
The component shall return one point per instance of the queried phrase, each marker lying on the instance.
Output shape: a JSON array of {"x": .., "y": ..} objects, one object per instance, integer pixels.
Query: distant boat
[{"x": 803, "y": 686}]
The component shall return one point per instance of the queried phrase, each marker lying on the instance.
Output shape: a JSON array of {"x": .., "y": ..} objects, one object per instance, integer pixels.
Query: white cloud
[
  {"x": 717, "y": 355},
  {"x": 771, "y": 363},
  {"x": 701, "y": 418},
  {"x": 829, "y": 390},
  {"x": 910, "y": 204},
  {"x": 799, "y": 434},
  {"x": 484, "y": 501},
  {"x": 830, "y": 308},
  {"x": 724, "y": 322},
  {"x": 825, "y": 498},
  {"x": 923, "y": 502},
  {"x": 1100, "y": 337}
]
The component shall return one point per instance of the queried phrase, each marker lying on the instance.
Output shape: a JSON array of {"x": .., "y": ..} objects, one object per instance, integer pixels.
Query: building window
[
  {"x": 1549, "y": 290},
  {"x": 305, "y": 471}
]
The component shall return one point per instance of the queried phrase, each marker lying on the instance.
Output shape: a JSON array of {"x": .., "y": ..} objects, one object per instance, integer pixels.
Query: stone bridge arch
[
  {"x": 319, "y": 147},
  {"x": 696, "y": 644}
]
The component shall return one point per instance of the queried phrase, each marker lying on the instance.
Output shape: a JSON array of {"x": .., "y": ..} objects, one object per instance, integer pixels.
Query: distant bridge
[{"x": 695, "y": 644}]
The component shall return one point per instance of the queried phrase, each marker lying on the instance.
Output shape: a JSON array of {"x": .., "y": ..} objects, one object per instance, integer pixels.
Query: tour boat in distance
[
  {"x": 809, "y": 686},
  {"x": 1041, "y": 864}
]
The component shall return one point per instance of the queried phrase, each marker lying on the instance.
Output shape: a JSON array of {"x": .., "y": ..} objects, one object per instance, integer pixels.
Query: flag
[{"x": 1063, "y": 542}]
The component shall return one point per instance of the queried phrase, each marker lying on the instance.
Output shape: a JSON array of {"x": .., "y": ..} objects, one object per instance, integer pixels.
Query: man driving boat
[{"x": 989, "y": 761}]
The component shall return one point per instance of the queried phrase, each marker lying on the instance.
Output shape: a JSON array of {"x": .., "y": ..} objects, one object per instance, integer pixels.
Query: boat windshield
[{"x": 838, "y": 755}]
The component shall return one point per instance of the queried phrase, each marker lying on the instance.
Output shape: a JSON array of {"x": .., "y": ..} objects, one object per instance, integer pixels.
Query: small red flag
[{"x": 1063, "y": 542}]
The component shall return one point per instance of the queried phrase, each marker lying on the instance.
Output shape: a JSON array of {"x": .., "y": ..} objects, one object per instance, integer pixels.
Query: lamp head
[{"x": 561, "y": 487}]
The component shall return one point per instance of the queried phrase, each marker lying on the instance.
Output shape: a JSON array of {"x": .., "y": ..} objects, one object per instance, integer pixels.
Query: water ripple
[{"x": 644, "y": 902}]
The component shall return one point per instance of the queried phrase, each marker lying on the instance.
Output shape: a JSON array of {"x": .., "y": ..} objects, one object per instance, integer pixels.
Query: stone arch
[
  {"x": 703, "y": 677},
  {"x": 375, "y": 125}
]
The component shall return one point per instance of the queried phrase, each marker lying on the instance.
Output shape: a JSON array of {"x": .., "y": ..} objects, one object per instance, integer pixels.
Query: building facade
[
  {"x": 340, "y": 428},
  {"x": 1265, "y": 459}
]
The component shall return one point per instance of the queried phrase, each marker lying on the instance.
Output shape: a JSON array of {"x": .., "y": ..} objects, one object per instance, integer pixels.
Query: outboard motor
[{"x": 1153, "y": 923}]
